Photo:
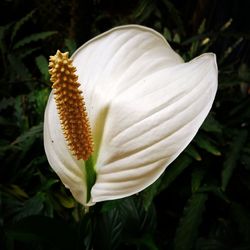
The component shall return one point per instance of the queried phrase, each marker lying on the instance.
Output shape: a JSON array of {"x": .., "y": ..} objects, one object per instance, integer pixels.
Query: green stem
[{"x": 90, "y": 176}]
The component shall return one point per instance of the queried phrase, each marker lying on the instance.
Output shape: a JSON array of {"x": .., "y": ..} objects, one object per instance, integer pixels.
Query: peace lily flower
[{"x": 133, "y": 109}]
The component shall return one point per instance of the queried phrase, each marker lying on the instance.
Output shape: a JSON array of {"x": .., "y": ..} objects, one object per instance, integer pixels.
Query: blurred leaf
[
  {"x": 39, "y": 99},
  {"x": 174, "y": 12},
  {"x": 3, "y": 30},
  {"x": 136, "y": 220},
  {"x": 227, "y": 24},
  {"x": 33, "y": 38},
  {"x": 150, "y": 192},
  {"x": 28, "y": 52},
  {"x": 42, "y": 64},
  {"x": 29, "y": 136},
  {"x": 202, "y": 26},
  {"x": 176, "y": 38},
  {"x": 85, "y": 233},
  {"x": 65, "y": 201},
  {"x": 230, "y": 49},
  {"x": 19, "y": 114},
  {"x": 197, "y": 178},
  {"x": 108, "y": 232},
  {"x": 71, "y": 45},
  {"x": 174, "y": 170},
  {"x": 205, "y": 143},
  {"x": 20, "y": 23},
  {"x": 109, "y": 205},
  {"x": 232, "y": 157},
  {"x": 211, "y": 125},
  {"x": 215, "y": 190},
  {"x": 189, "y": 223},
  {"x": 143, "y": 10},
  {"x": 16, "y": 191},
  {"x": 19, "y": 70},
  {"x": 32, "y": 206},
  {"x": 191, "y": 151},
  {"x": 167, "y": 34}
]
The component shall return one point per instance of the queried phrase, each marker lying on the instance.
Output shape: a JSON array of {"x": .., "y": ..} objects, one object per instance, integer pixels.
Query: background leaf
[
  {"x": 33, "y": 38},
  {"x": 189, "y": 223}
]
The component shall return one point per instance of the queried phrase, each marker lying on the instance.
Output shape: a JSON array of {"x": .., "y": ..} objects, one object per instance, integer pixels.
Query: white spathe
[{"x": 145, "y": 105}]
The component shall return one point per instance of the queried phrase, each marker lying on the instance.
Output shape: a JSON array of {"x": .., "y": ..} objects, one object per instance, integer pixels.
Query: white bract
[{"x": 144, "y": 104}]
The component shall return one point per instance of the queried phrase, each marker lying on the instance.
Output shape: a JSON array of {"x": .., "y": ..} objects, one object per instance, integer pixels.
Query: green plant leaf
[
  {"x": 27, "y": 52},
  {"x": 38, "y": 100},
  {"x": 16, "y": 191},
  {"x": 174, "y": 12},
  {"x": 191, "y": 151},
  {"x": 189, "y": 223},
  {"x": 215, "y": 190},
  {"x": 18, "y": 70},
  {"x": 135, "y": 218},
  {"x": 71, "y": 45},
  {"x": 3, "y": 29},
  {"x": 108, "y": 230},
  {"x": 20, "y": 23},
  {"x": 232, "y": 157},
  {"x": 211, "y": 125},
  {"x": 174, "y": 170},
  {"x": 143, "y": 10},
  {"x": 197, "y": 178},
  {"x": 33, "y": 38},
  {"x": 32, "y": 133},
  {"x": 42, "y": 64},
  {"x": 206, "y": 143},
  {"x": 32, "y": 206},
  {"x": 202, "y": 26},
  {"x": 149, "y": 193}
]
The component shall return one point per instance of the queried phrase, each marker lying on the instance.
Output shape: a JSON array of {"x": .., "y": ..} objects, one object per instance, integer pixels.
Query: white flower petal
[
  {"x": 150, "y": 124},
  {"x": 144, "y": 104},
  {"x": 108, "y": 64},
  {"x": 70, "y": 170}
]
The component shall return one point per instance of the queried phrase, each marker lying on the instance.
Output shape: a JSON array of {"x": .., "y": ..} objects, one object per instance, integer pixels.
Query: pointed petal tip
[
  {"x": 210, "y": 58},
  {"x": 209, "y": 61},
  {"x": 212, "y": 62}
]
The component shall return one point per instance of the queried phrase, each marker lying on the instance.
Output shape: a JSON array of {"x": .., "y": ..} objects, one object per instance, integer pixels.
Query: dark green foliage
[
  {"x": 189, "y": 224},
  {"x": 201, "y": 202},
  {"x": 231, "y": 160}
]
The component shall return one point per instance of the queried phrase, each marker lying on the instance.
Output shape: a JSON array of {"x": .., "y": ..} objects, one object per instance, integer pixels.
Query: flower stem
[{"x": 90, "y": 176}]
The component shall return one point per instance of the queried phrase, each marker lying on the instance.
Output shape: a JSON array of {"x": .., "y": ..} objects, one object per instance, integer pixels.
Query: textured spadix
[
  {"x": 144, "y": 104},
  {"x": 70, "y": 106}
]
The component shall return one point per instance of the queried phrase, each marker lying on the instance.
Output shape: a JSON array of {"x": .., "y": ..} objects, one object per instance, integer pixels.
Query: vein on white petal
[
  {"x": 140, "y": 151},
  {"x": 145, "y": 86},
  {"x": 116, "y": 188},
  {"x": 161, "y": 131},
  {"x": 172, "y": 109},
  {"x": 137, "y": 130},
  {"x": 119, "y": 172},
  {"x": 105, "y": 63},
  {"x": 104, "y": 51}
]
